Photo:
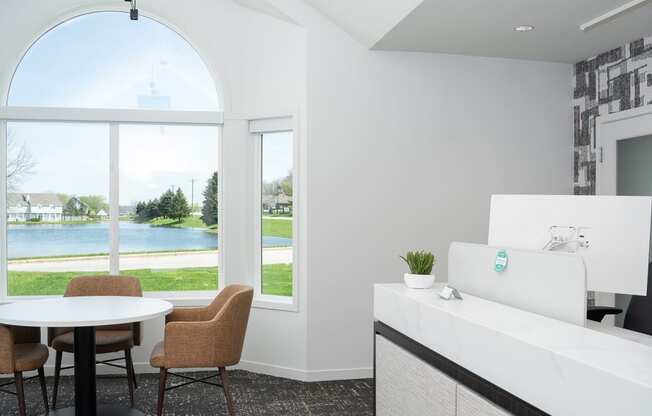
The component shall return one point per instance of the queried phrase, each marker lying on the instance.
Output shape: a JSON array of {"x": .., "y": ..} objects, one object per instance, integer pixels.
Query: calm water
[{"x": 58, "y": 240}]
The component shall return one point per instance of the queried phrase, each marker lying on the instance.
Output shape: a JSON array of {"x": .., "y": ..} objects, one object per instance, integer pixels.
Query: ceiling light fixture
[
  {"x": 133, "y": 13},
  {"x": 524, "y": 28}
]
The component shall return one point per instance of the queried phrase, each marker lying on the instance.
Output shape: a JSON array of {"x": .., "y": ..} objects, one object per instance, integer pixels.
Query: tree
[
  {"x": 209, "y": 207},
  {"x": 96, "y": 203},
  {"x": 152, "y": 210},
  {"x": 140, "y": 209},
  {"x": 180, "y": 207},
  {"x": 74, "y": 208},
  {"x": 20, "y": 163},
  {"x": 165, "y": 204},
  {"x": 286, "y": 184}
]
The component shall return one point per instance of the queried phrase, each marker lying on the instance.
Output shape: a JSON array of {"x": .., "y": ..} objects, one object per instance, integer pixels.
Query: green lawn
[
  {"x": 272, "y": 226},
  {"x": 188, "y": 222},
  {"x": 277, "y": 280},
  {"x": 277, "y": 227}
]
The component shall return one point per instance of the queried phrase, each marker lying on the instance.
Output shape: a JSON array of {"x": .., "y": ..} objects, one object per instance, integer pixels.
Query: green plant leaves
[{"x": 419, "y": 262}]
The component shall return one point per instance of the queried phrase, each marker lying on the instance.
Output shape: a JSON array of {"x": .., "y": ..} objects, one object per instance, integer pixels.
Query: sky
[{"x": 105, "y": 60}]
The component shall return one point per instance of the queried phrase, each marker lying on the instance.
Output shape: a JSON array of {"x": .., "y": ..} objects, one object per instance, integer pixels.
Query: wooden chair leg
[
  {"x": 161, "y": 391},
  {"x": 130, "y": 376},
  {"x": 20, "y": 393},
  {"x": 44, "y": 389},
  {"x": 227, "y": 391},
  {"x": 57, "y": 374}
]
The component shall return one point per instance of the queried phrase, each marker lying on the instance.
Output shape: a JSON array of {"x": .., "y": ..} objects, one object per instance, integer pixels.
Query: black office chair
[{"x": 639, "y": 314}]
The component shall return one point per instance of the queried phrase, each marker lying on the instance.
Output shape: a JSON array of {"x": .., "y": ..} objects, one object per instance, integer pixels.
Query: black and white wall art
[{"x": 614, "y": 81}]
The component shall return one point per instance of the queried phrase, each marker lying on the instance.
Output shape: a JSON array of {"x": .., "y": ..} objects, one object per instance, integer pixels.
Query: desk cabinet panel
[
  {"x": 471, "y": 404},
  {"x": 407, "y": 386}
]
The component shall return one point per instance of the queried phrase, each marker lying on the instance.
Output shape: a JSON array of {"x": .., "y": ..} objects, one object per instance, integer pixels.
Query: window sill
[{"x": 280, "y": 303}]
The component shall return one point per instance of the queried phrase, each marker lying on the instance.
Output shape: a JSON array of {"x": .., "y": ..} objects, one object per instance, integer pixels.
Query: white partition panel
[
  {"x": 549, "y": 284},
  {"x": 617, "y": 229}
]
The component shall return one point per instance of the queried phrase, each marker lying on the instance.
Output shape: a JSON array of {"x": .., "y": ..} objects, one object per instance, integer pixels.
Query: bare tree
[{"x": 20, "y": 163}]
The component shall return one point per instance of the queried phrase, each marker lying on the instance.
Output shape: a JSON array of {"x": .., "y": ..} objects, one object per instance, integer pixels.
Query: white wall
[
  {"x": 402, "y": 151},
  {"x": 405, "y": 150}
]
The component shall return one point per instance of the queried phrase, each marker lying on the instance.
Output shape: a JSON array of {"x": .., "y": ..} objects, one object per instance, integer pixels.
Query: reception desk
[{"x": 476, "y": 357}]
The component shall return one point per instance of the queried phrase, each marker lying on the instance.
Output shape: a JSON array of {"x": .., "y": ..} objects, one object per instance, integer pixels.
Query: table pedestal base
[{"x": 101, "y": 411}]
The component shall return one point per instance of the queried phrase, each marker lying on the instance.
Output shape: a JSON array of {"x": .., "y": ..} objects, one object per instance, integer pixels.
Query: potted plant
[{"x": 420, "y": 264}]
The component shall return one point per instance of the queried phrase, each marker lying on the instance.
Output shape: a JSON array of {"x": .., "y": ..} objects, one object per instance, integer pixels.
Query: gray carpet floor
[{"x": 254, "y": 394}]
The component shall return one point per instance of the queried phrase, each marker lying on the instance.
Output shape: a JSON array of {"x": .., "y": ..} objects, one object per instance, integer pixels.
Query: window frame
[
  {"x": 258, "y": 128},
  {"x": 113, "y": 118}
]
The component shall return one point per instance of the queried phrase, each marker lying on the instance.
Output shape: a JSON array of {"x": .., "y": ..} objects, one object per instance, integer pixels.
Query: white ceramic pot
[{"x": 419, "y": 281}]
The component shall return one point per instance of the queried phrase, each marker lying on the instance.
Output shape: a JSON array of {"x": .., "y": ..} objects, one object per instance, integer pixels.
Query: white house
[{"x": 26, "y": 207}]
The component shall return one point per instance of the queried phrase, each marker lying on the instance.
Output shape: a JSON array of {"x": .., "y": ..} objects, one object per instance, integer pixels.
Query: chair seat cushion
[
  {"x": 106, "y": 341},
  {"x": 157, "y": 359},
  {"x": 30, "y": 357}
]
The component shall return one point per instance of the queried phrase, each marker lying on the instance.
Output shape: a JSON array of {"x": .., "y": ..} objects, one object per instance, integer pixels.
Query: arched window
[
  {"x": 105, "y": 60},
  {"x": 111, "y": 135}
]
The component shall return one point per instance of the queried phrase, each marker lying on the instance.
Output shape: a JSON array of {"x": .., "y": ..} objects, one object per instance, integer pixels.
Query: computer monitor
[{"x": 611, "y": 233}]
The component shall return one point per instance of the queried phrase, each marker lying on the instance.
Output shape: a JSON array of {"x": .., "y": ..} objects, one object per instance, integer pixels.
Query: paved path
[{"x": 141, "y": 261}]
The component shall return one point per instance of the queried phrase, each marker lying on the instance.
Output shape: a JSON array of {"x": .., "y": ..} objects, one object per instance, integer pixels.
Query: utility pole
[{"x": 192, "y": 196}]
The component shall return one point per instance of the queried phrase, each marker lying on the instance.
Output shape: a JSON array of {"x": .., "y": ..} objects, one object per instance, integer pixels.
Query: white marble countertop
[{"x": 562, "y": 369}]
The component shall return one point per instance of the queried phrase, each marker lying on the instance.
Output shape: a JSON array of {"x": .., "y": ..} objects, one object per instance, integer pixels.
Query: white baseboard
[
  {"x": 306, "y": 375},
  {"x": 254, "y": 367}
]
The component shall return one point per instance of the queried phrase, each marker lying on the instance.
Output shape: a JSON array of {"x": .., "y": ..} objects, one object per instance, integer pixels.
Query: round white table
[{"x": 84, "y": 314}]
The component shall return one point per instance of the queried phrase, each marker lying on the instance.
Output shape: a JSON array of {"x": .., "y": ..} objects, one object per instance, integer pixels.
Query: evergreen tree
[
  {"x": 152, "y": 210},
  {"x": 180, "y": 207},
  {"x": 209, "y": 207},
  {"x": 140, "y": 209},
  {"x": 165, "y": 204}
]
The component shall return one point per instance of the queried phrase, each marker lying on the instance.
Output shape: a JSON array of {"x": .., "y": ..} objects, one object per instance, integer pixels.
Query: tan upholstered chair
[
  {"x": 21, "y": 350},
  {"x": 108, "y": 339},
  {"x": 210, "y": 337}
]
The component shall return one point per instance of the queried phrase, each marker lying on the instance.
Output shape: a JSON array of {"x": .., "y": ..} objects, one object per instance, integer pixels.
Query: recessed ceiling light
[{"x": 524, "y": 28}]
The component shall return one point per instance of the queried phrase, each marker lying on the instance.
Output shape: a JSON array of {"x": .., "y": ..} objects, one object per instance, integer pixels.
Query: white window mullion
[
  {"x": 220, "y": 210},
  {"x": 4, "y": 276},
  {"x": 271, "y": 125},
  {"x": 107, "y": 115},
  {"x": 258, "y": 222},
  {"x": 114, "y": 198}
]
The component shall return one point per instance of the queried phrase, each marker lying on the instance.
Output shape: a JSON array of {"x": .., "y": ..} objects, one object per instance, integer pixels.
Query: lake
[{"x": 42, "y": 240}]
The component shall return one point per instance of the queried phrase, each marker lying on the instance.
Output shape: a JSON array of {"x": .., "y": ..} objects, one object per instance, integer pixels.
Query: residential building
[{"x": 22, "y": 207}]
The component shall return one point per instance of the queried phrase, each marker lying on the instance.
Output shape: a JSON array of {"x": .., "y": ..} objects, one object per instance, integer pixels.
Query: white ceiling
[
  {"x": 366, "y": 20},
  {"x": 265, "y": 7},
  {"x": 485, "y": 28}
]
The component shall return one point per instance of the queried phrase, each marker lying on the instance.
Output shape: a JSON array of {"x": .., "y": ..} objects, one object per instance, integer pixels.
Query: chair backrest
[
  {"x": 639, "y": 314},
  {"x": 10, "y": 336},
  {"x": 232, "y": 318},
  {"x": 6, "y": 350},
  {"x": 108, "y": 286},
  {"x": 104, "y": 286}
]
